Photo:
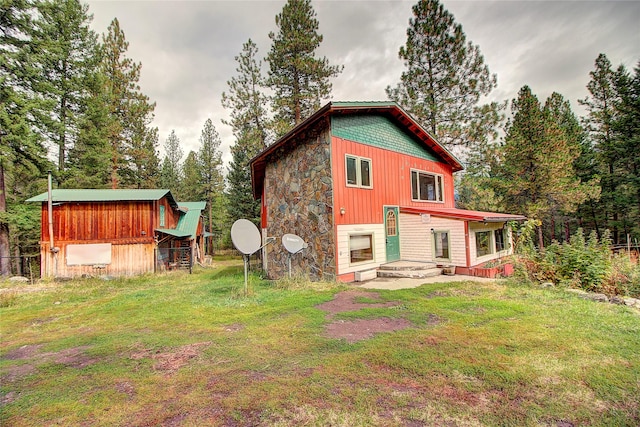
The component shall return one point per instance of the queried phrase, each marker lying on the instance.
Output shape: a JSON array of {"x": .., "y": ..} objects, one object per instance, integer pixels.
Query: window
[
  {"x": 426, "y": 187},
  {"x": 392, "y": 223},
  {"x": 361, "y": 248},
  {"x": 358, "y": 172},
  {"x": 441, "y": 245},
  {"x": 162, "y": 216},
  {"x": 483, "y": 243},
  {"x": 500, "y": 239}
]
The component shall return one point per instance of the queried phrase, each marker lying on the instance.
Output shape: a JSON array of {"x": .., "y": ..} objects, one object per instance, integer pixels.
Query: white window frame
[
  {"x": 505, "y": 240},
  {"x": 373, "y": 248},
  {"x": 492, "y": 243},
  {"x": 439, "y": 190},
  {"x": 433, "y": 244},
  {"x": 359, "y": 161}
]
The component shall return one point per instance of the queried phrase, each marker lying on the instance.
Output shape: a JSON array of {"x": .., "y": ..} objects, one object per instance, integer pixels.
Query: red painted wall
[{"x": 391, "y": 173}]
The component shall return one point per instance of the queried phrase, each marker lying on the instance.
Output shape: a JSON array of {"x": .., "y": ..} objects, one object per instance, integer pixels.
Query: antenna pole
[{"x": 246, "y": 274}]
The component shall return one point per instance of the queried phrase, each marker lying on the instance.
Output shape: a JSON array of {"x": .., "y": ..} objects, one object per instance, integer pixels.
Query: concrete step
[
  {"x": 410, "y": 273},
  {"x": 407, "y": 266}
]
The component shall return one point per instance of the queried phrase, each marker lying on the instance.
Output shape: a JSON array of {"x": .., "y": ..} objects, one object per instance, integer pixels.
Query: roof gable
[{"x": 379, "y": 131}]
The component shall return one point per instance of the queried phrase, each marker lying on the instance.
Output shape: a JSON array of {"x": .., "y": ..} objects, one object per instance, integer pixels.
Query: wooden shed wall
[
  {"x": 126, "y": 260},
  {"x": 122, "y": 222}
]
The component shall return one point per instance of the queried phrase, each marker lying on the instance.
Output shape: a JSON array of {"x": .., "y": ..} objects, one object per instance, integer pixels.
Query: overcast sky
[{"x": 187, "y": 48}]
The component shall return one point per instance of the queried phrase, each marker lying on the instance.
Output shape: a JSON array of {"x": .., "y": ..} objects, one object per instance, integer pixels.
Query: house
[
  {"x": 117, "y": 232},
  {"x": 364, "y": 185}
]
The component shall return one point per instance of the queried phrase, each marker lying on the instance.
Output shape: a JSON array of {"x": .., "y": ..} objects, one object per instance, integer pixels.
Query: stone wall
[{"x": 299, "y": 200}]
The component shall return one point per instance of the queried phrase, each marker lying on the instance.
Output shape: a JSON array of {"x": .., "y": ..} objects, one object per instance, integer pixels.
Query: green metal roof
[
  {"x": 102, "y": 195},
  {"x": 188, "y": 222}
]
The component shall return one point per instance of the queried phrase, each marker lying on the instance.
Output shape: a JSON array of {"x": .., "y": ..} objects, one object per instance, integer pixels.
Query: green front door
[{"x": 392, "y": 233}]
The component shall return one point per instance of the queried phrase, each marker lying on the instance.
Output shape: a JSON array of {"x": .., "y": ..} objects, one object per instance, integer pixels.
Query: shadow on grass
[{"x": 233, "y": 270}]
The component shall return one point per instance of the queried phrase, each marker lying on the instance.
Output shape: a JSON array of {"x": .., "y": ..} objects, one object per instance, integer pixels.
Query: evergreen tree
[
  {"x": 171, "y": 173},
  {"x": 90, "y": 158},
  {"x": 535, "y": 170},
  {"x": 445, "y": 78},
  {"x": 239, "y": 192},
  {"x": 191, "y": 186},
  {"x": 23, "y": 161},
  {"x": 129, "y": 109},
  {"x": 65, "y": 49},
  {"x": 212, "y": 180},
  {"x": 248, "y": 121},
  {"x": 298, "y": 78},
  {"x": 566, "y": 137},
  {"x": 246, "y": 101},
  {"x": 626, "y": 128}
]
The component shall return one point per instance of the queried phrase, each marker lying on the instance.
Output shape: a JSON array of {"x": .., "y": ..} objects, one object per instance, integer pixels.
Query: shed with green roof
[{"x": 118, "y": 232}]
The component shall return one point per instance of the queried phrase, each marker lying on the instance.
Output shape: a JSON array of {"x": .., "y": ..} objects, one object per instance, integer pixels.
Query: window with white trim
[
  {"x": 426, "y": 187},
  {"x": 360, "y": 248},
  {"x": 358, "y": 171},
  {"x": 441, "y": 245},
  {"x": 483, "y": 243}
]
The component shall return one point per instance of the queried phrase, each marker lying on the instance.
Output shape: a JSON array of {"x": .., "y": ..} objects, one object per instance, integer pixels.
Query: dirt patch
[
  {"x": 360, "y": 329},
  {"x": 347, "y": 301},
  {"x": 170, "y": 362},
  {"x": 74, "y": 357}
]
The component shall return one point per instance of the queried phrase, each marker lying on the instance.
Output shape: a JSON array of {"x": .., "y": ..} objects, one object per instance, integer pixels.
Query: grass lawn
[{"x": 191, "y": 350}]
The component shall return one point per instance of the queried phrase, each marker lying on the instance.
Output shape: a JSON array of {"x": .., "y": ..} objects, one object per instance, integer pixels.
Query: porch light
[{"x": 342, "y": 211}]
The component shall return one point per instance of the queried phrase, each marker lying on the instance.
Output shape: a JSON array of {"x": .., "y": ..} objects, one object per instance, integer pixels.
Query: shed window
[
  {"x": 426, "y": 187},
  {"x": 361, "y": 248},
  {"x": 358, "y": 172},
  {"x": 162, "y": 221}
]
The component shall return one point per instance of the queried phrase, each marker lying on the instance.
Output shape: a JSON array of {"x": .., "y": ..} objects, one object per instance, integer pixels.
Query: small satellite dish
[
  {"x": 293, "y": 243},
  {"x": 245, "y": 236}
]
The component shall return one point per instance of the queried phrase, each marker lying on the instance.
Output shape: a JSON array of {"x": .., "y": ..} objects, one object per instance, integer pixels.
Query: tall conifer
[
  {"x": 445, "y": 78},
  {"x": 299, "y": 79}
]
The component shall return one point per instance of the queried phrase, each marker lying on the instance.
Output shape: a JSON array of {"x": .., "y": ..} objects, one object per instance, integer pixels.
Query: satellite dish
[
  {"x": 245, "y": 236},
  {"x": 293, "y": 243}
]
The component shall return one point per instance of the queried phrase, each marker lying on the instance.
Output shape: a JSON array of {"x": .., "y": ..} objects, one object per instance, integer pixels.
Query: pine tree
[
  {"x": 191, "y": 186},
  {"x": 171, "y": 173},
  {"x": 602, "y": 112},
  {"x": 91, "y": 156},
  {"x": 247, "y": 103},
  {"x": 445, "y": 77},
  {"x": 23, "y": 160},
  {"x": 239, "y": 193},
  {"x": 298, "y": 78},
  {"x": 246, "y": 100},
  {"x": 535, "y": 170},
  {"x": 626, "y": 128},
  {"x": 210, "y": 166},
  {"x": 65, "y": 48},
  {"x": 129, "y": 109}
]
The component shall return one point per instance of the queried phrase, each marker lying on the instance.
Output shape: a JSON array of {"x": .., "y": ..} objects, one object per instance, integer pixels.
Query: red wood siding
[
  {"x": 122, "y": 222},
  {"x": 391, "y": 177}
]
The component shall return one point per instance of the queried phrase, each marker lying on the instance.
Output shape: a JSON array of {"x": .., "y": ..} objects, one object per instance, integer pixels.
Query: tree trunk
[
  {"x": 210, "y": 238},
  {"x": 5, "y": 261},
  {"x": 540, "y": 239}
]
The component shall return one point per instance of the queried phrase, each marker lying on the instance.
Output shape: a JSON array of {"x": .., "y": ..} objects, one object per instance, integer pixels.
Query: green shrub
[
  {"x": 624, "y": 276},
  {"x": 585, "y": 264}
]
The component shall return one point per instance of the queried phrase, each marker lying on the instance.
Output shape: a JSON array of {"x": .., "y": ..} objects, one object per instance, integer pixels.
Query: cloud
[{"x": 187, "y": 48}]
